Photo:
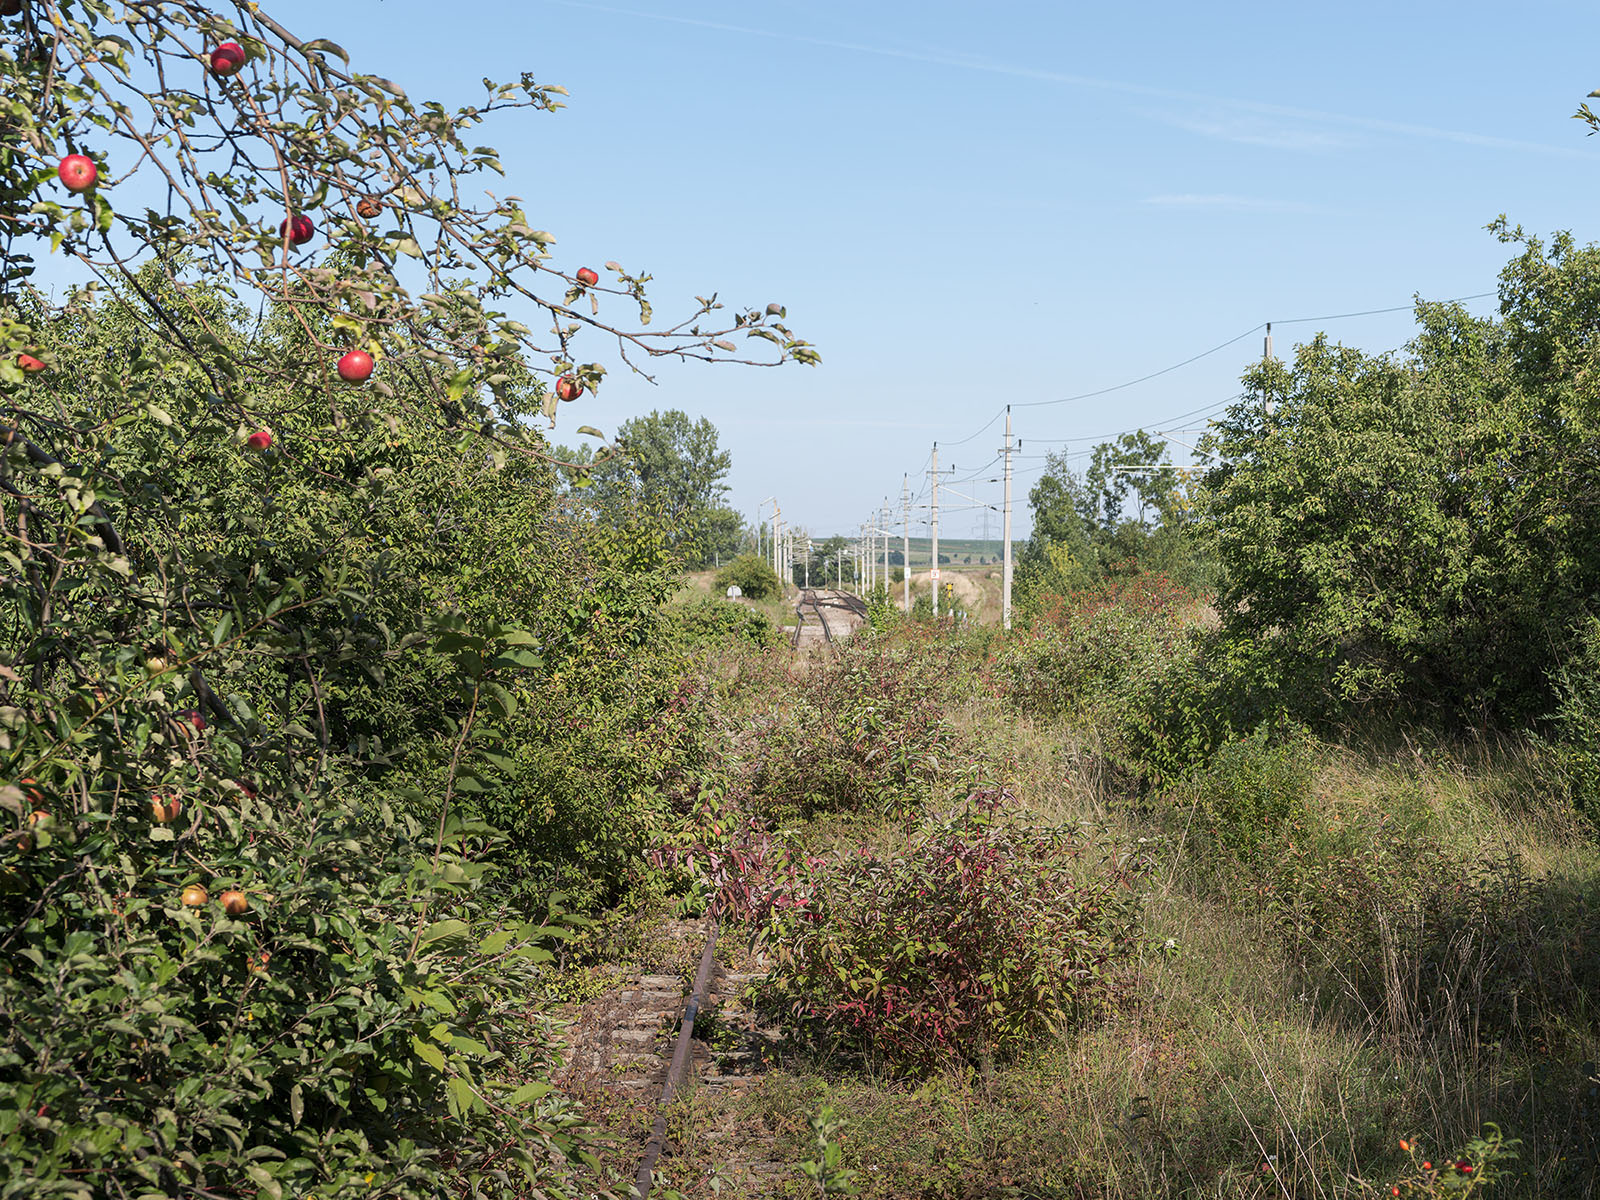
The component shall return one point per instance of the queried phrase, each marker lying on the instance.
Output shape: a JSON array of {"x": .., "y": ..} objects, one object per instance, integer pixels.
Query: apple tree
[{"x": 280, "y": 295}]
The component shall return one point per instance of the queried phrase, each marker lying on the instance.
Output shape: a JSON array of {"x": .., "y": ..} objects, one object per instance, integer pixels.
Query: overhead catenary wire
[{"x": 1204, "y": 410}]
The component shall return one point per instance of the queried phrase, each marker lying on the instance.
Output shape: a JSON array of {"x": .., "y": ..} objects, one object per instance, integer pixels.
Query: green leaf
[
  {"x": 324, "y": 46},
  {"x": 462, "y": 1095},
  {"x": 518, "y": 658},
  {"x": 444, "y": 930},
  {"x": 264, "y": 1180},
  {"x": 495, "y": 942},
  {"x": 431, "y": 1055},
  {"x": 528, "y": 1092}
]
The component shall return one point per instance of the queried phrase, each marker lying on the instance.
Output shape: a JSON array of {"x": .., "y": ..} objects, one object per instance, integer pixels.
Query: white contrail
[{"x": 992, "y": 67}]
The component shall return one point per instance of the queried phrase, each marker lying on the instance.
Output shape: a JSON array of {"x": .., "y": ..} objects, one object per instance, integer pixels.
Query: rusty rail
[{"x": 678, "y": 1067}]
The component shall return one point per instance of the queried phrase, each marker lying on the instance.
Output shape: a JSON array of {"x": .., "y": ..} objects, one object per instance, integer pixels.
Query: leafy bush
[
  {"x": 1092, "y": 644},
  {"x": 1247, "y": 791},
  {"x": 257, "y": 616},
  {"x": 752, "y": 575},
  {"x": 1405, "y": 531},
  {"x": 712, "y": 619},
  {"x": 356, "y": 1029},
  {"x": 865, "y": 730},
  {"x": 882, "y": 615},
  {"x": 1130, "y": 659},
  {"x": 1576, "y": 719},
  {"x": 981, "y": 936}
]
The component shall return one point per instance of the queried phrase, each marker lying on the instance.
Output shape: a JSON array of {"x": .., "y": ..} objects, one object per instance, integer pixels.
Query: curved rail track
[{"x": 820, "y": 602}]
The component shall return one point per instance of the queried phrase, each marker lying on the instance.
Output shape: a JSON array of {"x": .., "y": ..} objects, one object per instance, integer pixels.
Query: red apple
[
  {"x": 193, "y": 718},
  {"x": 568, "y": 388},
  {"x": 234, "y": 902},
  {"x": 259, "y": 440},
  {"x": 194, "y": 896},
  {"x": 368, "y": 207},
  {"x": 298, "y": 231},
  {"x": 31, "y": 789},
  {"x": 587, "y": 277},
  {"x": 355, "y": 367},
  {"x": 227, "y": 58},
  {"x": 29, "y": 363},
  {"x": 78, "y": 172},
  {"x": 165, "y": 809}
]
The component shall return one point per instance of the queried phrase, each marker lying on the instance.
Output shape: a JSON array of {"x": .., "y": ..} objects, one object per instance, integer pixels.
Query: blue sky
[{"x": 966, "y": 204}]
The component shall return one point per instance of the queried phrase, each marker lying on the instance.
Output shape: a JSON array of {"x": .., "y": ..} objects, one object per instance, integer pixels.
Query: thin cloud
[
  {"x": 1092, "y": 83},
  {"x": 1255, "y": 131},
  {"x": 1228, "y": 202},
  {"x": 822, "y": 423}
]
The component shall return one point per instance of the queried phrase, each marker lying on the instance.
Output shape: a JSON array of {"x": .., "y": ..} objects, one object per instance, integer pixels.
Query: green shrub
[
  {"x": 356, "y": 1030},
  {"x": 1093, "y": 647},
  {"x": 972, "y": 943},
  {"x": 752, "y": 575},
  {"x": 866, "y": 730},
  {"x": 1576, "y": 719},
  {"x": 1248, "y": 791},
  {"x": 882, "y": 615},
  {"x": 711, "y": 619},
  {"x": 1129, "y": 659}
]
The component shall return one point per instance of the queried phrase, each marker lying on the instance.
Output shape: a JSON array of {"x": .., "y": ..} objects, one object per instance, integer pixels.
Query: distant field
[{"x": 957, "y": 550}]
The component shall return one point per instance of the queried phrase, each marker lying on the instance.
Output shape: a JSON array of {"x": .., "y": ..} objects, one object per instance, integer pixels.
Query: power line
[
  {"x": 1372, "y": 312},
  {"x": 1205, "y": 410},
  {"x": 986, "y": 425},
  {"x": 1104, "y": 437},
  {"x": 1117, "y": 387}
]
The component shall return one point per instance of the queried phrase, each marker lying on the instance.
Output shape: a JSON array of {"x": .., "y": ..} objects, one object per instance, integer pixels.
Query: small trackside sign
[{"x": 936, "y": 574}]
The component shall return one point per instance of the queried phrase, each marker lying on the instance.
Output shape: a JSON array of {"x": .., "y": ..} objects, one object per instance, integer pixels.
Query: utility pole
[
  {"x": 883, "y": 532},
  {"x": 1266, "y": 356},
  {"x": 1005, "y": 534},
  {"x": 905, "y": 535},
  {"x": 772, "y": 550},
  {"x": 760, "y": 540},
  {"x": 935, "y": 555}
]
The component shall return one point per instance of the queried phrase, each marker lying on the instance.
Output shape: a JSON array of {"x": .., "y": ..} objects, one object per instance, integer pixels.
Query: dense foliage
[
  {"x": 1420, "y": 533},
  {"x": 866, "y": 730},
  {"x": 671, "y": 465},
  {"x": 276, "y": 635},
  {"x": 1085, "y": 535},
  {"x": 751, "y": 574},
  {"x": 969, "y": 945}
]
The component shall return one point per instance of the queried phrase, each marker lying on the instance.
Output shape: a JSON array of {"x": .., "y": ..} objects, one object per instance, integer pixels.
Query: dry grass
[{"x": 1416, "y": 954}]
